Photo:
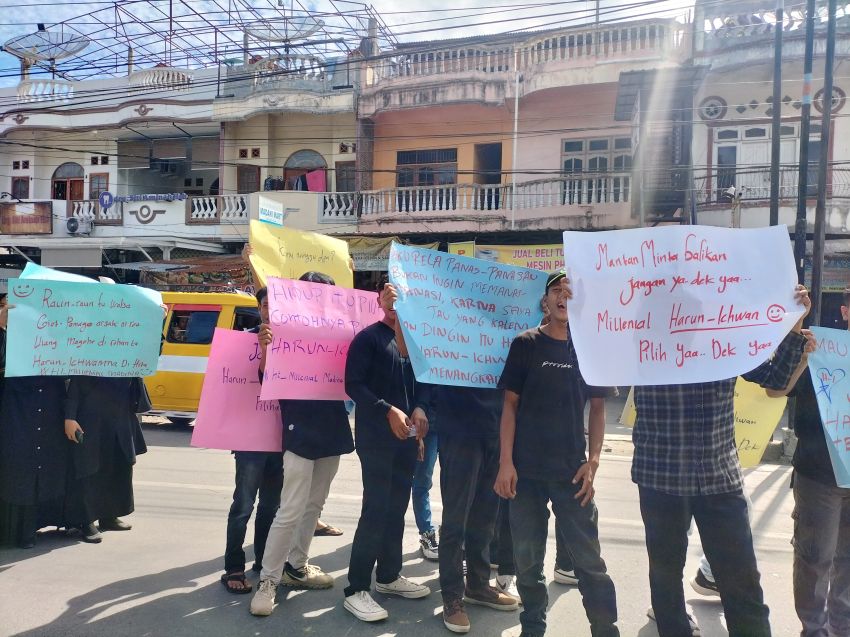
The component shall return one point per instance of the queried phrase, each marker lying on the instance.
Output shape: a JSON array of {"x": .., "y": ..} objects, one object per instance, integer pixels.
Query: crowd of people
[{"x": 507, "y": 455}]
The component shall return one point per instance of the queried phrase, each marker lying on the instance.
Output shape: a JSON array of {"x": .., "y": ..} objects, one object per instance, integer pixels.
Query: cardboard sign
[
  {"x": 231, "y": 414},
  {"x": 829, "y": 366},
  {"x": 459, "y": 315},
  {"x": 68, "y": 328},
  {"x": 289, "y": 253},
  {"x": 678, "y": 304},
  {"x": 312, "y": 326}
]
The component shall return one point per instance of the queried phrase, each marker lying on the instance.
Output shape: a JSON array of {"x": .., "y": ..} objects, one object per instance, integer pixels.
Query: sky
[{"x": 424, "y": 20}]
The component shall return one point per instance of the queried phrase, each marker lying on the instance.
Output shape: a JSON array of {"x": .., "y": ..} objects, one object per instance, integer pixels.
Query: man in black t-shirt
[
  {"x": 543, "y": 459},
  {"x": 821, "y": 513}
]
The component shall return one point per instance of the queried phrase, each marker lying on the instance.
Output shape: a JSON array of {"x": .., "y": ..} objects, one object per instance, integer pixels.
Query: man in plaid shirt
[{"x": 686, "y": 466}]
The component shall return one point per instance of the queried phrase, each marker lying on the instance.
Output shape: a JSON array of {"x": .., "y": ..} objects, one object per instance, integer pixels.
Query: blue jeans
[
  {"x": 529, "y": 515},
  {"x": 256, "y": 471},
  {"x": 422, "y": 481},
  {"x": 724, "y": 528}
]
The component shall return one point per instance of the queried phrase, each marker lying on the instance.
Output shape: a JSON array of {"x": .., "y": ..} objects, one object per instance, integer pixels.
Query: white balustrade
[
  {"x": 218, "y": 209},
  {"x": 45, "y": 90},
  {"x": 91, "y": 210},
  {"x": 161, "y": 77},
  {"x": 339, "y": 206}
]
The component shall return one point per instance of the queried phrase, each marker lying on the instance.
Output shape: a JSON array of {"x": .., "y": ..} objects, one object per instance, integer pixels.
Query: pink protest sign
[
  {"x": 231, "y": 414},
  {"x": 313, "y": 325}
]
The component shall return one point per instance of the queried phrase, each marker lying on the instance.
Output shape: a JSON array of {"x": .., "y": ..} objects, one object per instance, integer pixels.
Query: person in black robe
[{"x": 101, "y": 475}]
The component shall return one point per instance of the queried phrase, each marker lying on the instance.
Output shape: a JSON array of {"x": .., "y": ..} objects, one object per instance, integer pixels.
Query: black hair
[
  {"x": 317, "y": 277},
  {"x": 383, "y": 280},
  {"x": 261, "y": 294}
]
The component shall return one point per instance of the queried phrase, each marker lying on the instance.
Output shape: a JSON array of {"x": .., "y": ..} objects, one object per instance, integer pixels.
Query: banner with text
[
  {"x": 459, "y": 315},
  {"x": 829, "y": 366},
  {"x": 547, "y": 257},
  {"x": 65, "y": 328},
  {"x": 678, "y": 304},
  {"x": 289, "y": 253},
  {"x": 312, "y": 327},
  {"x": 231, "y": 415}
]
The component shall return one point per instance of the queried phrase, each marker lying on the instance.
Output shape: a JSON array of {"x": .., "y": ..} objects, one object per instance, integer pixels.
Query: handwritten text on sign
[
  {"x": 61, "y": 328},
  {"x": 459, "y": 315},
  {"x": 829, "y": 367},
  {"x": 289, "y": 253},
  {"x": 313, "y": 325},
  {"x": 679, "y": 304},
  {"x": 231, "y": 414}
]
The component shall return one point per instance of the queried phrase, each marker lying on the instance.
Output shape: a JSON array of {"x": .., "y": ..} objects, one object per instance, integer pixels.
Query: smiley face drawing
[
  {"x": 23, "y": 290},
  {"x": 775, "y": 313}
]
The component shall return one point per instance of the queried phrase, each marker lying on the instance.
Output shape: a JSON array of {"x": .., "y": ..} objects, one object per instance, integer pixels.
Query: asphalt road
[{"x": 162, "y": 578}]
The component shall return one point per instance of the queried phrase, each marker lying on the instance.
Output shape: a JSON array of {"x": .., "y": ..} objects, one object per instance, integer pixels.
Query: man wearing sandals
[{"x": 256, "y": 472}]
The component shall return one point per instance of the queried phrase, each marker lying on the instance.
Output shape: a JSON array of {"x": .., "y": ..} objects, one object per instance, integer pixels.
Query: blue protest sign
[
  {"x": 68, "y": 328},
  {"x": 829, "y": 366},
  {"x": 459, "y": 315}
]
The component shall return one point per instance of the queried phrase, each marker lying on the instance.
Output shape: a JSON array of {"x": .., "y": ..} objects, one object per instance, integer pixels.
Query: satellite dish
[
  {"x": 42, "y": 46},
  {"x": 284, "y": 29}
]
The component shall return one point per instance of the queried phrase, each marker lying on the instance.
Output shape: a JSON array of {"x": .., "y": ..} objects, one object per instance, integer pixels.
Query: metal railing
[
  {"x": 609, "y": 42},
  {"x": 574, "y": 190},
  {"x": 753, "y": 183}
]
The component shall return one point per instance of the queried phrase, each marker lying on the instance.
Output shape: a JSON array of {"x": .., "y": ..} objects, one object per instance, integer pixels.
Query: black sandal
[{"x": 236, "y": 577}]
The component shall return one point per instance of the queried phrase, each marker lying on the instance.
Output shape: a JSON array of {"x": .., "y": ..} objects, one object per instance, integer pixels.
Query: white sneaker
[
  {"x": 429, "y": 546},
  {"x": 403, "y": 587},
  {"x": 695, "y": 631},
  {"x": 565, "y": 577},
  {"x": 262, "y": 603},
  {"x": 364, "y": 608},
  {"x": 507, "y": 584}
]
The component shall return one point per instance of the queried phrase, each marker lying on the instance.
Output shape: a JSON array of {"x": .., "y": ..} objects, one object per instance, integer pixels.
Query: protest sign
[
  {"x": 756, "y": 418},
  {"x": 459, "y": 315},
  {"x": 678, "y": 304},
  {"x": 289, "y": 253},
  {"x": 67, "y": 328},
  {"x": 231, "y": 414},
  {"x": 829, "y": 366},
  {"x": 312, "y": 327}
]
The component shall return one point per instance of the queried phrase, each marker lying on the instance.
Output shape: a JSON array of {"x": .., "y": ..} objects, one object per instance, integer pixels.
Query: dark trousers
[
  {"x": 724, "y": 528},
  {"x": 529, "y": 514},
  {"x": 256, "y": 472},
  {"x": 387, "y": 479},
  {"x": 468, "y": 468},
  {"x": 821, "y": 558},
  {"x": 502, "y": 546}
]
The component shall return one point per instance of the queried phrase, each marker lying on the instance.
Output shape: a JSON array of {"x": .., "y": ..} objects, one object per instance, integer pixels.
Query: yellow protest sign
[
  {"x": 756, "y": 417},
  {"x": 545, "y": 257},
  {"x": 289, "y": 253}
]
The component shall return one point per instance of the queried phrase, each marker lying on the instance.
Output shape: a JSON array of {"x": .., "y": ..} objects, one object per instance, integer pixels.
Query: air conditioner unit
[{"x": 77, "y": 226}]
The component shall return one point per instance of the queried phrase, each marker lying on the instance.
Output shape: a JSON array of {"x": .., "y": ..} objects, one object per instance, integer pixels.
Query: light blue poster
[
  {"x": 830, "y": 366},
  {"x": 69, "y": 328},
  {"x": 459, "y": 315}
]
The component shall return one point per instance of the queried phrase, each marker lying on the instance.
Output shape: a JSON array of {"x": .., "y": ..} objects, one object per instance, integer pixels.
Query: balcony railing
[
  {"x": 212, "y": 209},
  {"x": 91, "y": 210},
  {"x": 613, "y": 42},
  {"x": 753, "y": 183},
  {"x": 45, "y": 90},
  {"x": 160, "y": 77},
  {"x": 584, "y": 190}
]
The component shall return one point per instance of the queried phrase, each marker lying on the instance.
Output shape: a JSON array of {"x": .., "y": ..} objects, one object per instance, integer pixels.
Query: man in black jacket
[{"x": 389, "y": 424}]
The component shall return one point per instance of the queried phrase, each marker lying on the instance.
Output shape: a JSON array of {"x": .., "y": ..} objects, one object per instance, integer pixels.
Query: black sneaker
[
  {"x": 429, "y": 546},
  {"x": 704, "y": 586}
]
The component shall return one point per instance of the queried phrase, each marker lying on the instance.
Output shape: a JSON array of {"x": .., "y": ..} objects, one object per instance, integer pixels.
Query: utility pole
[
  {"x": 803, "y": 174},
  {"x": 820, "y": 207},
  {"x": 776, "y": 136}
]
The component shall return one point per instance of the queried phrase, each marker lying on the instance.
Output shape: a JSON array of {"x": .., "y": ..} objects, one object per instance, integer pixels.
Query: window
[
  {"x": 98, "y": 183},
  {"x": 25, "y": 164},
  {"x": 426, "y": 167},
  {"x": 345, "y": 176},
  {"x": 247, "y": 318},
  {"x": 597, "y": 170},
  {"x": 194, "y": 327},
  {"x": 21, "y": 188},
  {"x": 16, "y": 165},
  {"x": 95, "y": 161},
  {"x": 104, "y": 160}
]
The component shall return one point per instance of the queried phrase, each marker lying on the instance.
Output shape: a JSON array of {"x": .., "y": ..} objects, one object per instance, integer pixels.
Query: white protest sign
[{"x": 678, "y": 304}]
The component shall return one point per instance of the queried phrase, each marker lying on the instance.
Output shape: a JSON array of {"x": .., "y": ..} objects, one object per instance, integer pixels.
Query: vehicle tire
[{"x": 178, "y": 421}]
